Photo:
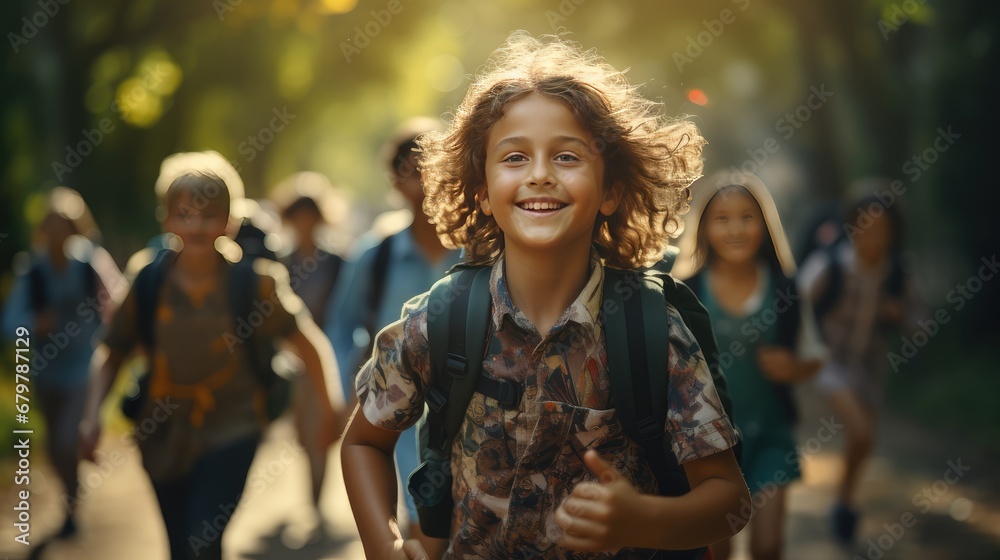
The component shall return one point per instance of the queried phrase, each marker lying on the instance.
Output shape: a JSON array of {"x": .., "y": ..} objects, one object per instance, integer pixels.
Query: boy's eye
[
  {"x": 515, "y": 158},
  {"x": 567, "y": 157},
  {"x": 721, "y": 218}
]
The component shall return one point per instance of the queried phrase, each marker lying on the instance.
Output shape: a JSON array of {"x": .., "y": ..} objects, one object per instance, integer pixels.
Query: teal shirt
[{"x": 768, "y": 442}]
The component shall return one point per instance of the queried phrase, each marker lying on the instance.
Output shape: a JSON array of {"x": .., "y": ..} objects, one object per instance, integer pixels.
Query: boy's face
[
  {"x": 303, "y": 222},
  {"x": 734, "y": 227},
  {"x": 544, "y": 177},
  {"x": 406, "y": 179},
  {"x": 198, "y": 225}
]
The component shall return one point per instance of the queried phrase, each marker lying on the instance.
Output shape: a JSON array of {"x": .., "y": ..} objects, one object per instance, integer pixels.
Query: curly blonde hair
[{"x": 649, "y": 159}]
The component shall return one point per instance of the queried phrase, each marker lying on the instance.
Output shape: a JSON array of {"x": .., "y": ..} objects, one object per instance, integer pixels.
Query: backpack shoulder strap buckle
[
  {"x": 435, "y": 398},
  {"x": 455, "y": 365},
  {"x": 508, "y": 394},
  {"x": 650, "y": 428}
]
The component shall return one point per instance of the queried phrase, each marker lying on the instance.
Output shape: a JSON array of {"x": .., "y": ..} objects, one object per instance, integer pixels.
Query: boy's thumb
[{"x": 601, "y": 468}]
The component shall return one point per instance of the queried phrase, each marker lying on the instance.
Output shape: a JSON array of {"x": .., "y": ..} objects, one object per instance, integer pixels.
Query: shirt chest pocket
[{"x": 552, "y": 464}]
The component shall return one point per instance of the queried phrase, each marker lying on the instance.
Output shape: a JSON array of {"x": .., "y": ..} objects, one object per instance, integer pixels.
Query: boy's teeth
[{"x": 541, "y": 205}]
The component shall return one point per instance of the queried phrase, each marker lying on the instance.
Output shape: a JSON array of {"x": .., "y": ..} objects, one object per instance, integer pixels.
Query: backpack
[
  {"x": 243, "y": 290},
  {"x": 894, "y": 285},
  {"x": 458, "y": 321},
  {"x": 379, "y": 278}
]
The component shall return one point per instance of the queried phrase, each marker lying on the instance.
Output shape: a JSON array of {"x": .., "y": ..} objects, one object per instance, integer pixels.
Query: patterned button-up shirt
[{"x": 514, "y": 467}]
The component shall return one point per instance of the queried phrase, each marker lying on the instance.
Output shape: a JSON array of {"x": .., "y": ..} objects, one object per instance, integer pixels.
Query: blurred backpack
[
  {"x": 826, "y": 234},
  {"x": 635, "y": 329},
  {"x": 243, "y": 289}
]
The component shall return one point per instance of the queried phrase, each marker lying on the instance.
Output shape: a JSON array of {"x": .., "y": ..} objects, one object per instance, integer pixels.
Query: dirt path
[{"x": 908, "y": 475}]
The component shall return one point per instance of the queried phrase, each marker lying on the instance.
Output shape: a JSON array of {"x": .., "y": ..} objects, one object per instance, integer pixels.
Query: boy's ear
[
  {"x": 612, "y": 198},
  {"x": 482, "y": 195}
]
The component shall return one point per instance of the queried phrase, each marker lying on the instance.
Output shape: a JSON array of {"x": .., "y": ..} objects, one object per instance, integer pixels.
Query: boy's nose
[{"x": 540, "y": 173}]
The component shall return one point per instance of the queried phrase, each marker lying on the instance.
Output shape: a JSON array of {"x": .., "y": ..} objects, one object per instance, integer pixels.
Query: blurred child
[
  {"x": 381, "y": 278},
  {"x": 860, "y": 292},
  {"x": 744, "y": 274},
  {"x": 314, "y": 266},
  {"x": 205, "y": 393},
  {"x": 553, "y": 169},
  {"x": 63, "y": 297}
]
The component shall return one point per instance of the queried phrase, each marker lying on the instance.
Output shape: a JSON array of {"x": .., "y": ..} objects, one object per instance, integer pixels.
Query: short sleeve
[
  {"x": 696, "y": 422},
  {"x": 390, "y": 386}
]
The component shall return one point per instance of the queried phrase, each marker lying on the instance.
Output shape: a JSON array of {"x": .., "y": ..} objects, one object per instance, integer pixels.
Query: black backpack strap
[
  {"x": 834, "y": 283},
  {"x": 147, "y": 293},
  {"x": 380, "y": 277},
  {"x": 640, "y": 397},
  {"x": 788, "y": 326},
  {"x": 458, "y": 316},
  {"x": 338, "y": 265},
  {"x": 244, "y": 289}
]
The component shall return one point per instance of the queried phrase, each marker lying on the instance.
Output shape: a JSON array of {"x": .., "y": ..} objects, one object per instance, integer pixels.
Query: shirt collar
[{"x": 584, "y": 311}]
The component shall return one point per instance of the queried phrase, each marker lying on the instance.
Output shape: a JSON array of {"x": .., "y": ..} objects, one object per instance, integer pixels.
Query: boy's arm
[
  {"x": 312, "y": 347},
  {"x": 104, "y": 368},
  {"x": 370, "y": 477},
  {"x": 611, "y": 514}
]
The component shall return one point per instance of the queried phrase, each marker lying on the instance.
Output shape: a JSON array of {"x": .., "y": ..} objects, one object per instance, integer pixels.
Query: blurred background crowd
[{"x": 817, "y": 99}]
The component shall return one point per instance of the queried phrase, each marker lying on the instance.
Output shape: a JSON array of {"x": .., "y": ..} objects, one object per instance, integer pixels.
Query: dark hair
[
  {"x": 863, "y": 206},
  {"x": 301, "y": 203},
  {"x": 207, "y": 190},
  {"x": 400, "y": 164}
]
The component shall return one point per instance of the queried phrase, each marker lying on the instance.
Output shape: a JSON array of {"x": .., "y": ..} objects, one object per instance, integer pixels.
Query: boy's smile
[{"x": 544, "y": 177}]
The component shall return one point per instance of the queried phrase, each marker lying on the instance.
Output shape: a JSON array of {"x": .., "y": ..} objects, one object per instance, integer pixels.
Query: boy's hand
[
  {"x": 777, "y": 363},
  {"x": 90, "y": 434},
  {"x": 600, "y": 516},
  {"x": 410, "y": 549}
]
